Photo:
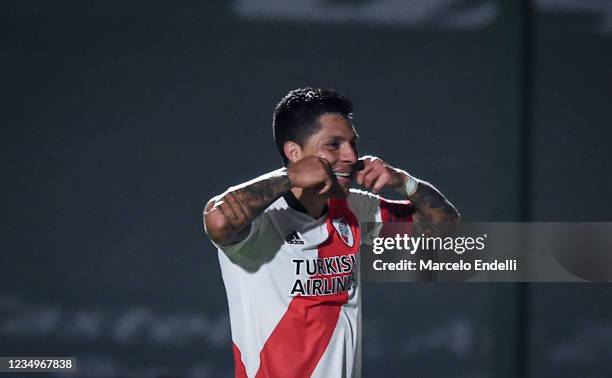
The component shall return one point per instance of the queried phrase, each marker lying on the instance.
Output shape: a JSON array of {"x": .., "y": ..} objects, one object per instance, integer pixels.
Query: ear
[{"x": 293, "y": 151}]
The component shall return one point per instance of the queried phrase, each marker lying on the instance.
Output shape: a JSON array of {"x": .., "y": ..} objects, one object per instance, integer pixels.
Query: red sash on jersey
[{"x": 299, "y": 340}]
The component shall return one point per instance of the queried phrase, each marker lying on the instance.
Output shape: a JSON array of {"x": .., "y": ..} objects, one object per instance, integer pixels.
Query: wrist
[
  {"x": 409, "y": 185},
  {"x": 286, "y": 177},
  {"x": 288, "y": 174}
]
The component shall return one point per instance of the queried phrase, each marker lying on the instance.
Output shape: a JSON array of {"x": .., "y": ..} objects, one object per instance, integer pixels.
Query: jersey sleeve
[
  {"x": 369, "y": 207},
  {"x": 380, "y": 216},
  {"x": 395, "y": 210},
  {"x": 244, "y": 252}
]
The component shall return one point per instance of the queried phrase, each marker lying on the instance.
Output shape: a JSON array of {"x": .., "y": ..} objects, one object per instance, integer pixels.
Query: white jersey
[{"x": 293, "y": 287}]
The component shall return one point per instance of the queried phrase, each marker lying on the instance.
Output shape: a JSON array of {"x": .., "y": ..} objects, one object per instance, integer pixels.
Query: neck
[{"x": 313, "y": 202}]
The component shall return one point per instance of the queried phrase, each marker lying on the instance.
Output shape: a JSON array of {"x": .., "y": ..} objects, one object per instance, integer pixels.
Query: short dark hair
[{"x": 295, "y": 116}]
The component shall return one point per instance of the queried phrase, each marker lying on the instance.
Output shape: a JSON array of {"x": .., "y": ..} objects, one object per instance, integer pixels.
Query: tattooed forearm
[
  {"x": 250, "y": 200},
  {"x": 434, "y": 215},
  {"x": 229, "y": 215}
]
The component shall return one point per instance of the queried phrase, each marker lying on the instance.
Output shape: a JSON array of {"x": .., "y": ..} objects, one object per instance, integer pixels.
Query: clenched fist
[{"x": 313, "y": 172}]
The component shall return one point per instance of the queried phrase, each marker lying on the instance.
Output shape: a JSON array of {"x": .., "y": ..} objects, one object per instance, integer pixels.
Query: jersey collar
[{"x": 296, "y": 205}]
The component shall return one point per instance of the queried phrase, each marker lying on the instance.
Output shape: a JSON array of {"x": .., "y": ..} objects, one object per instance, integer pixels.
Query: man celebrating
[{"x": 289, "y": 240}]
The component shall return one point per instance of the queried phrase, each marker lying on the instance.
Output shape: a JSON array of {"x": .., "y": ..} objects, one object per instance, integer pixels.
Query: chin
[{"x": 345, "y": 182}]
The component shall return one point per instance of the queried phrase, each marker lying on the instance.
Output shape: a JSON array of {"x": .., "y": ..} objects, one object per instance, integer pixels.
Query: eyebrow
[{"x": 335, "y": 137}]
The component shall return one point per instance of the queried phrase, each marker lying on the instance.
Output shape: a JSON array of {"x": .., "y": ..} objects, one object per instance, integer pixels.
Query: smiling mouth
[{"x": 342, "y": 174}]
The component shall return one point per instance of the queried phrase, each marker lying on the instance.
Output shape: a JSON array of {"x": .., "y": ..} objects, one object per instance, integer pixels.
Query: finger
[
  {"x": 210, "y": 205},
  {"x": 230, "y": 213},
  {"x": 326, "y": 163},
  {"x": 326, "y": 187},
  {"x": 370, "y": 179},
  {"x": 239, "y": 208},
  {"x": 360, "y": 165},
  {"x": 363, "y": 173},
  {"x": 330, "y": 185},
  {"x": 380, "y": 182},
  {"x": 329, "y": 176},
  {"x": 329, "y": 182},
  {"x": 367, "y": 158}
]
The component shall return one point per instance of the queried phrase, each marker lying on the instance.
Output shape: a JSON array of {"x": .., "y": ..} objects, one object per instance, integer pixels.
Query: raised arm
[
  {"x": 434, "y": 214},
  {"x": 228, "y": 216}
]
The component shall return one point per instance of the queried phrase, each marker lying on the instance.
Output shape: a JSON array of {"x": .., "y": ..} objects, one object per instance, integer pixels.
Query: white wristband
[{"x": 411, "y": 185}]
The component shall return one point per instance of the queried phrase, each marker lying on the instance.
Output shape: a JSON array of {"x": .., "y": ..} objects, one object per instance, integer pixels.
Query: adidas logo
[{"x": 293, "y": 238}]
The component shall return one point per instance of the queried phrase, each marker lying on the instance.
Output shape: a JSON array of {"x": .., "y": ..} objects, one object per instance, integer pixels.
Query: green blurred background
[{"x": 121, "y": 119}]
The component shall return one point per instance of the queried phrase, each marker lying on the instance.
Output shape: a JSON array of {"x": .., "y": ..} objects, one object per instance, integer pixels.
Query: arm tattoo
[
  {"x": 434, "y": 215},
  {"x": 240, "y": 205},
  {"x": 253, "y": 199},
  {"x": 233, "y": 209},
  {"x": 239, "y": 208},
  {"x": 225, "y": 215}
]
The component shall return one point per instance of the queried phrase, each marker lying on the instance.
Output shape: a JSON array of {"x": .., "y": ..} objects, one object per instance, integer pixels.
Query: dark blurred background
[{"x": 120, "y": 120}]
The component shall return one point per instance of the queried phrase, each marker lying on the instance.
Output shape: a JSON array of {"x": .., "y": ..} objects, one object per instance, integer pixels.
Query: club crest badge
[{"x": 344, "y": 230}]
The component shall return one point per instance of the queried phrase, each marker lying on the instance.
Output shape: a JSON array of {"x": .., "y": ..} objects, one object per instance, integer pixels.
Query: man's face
[{"x": 335, "y": 141}]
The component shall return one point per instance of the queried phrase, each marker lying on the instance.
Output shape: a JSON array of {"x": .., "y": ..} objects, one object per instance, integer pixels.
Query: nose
[{"x": 349, "y": 154}]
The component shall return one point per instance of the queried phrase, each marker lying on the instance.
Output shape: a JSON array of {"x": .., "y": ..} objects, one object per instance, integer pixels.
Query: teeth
[{"x": 342, "y": 174}]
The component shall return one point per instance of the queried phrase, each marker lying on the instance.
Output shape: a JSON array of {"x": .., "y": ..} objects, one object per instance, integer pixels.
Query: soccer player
[{"x": 289, "y": 240}]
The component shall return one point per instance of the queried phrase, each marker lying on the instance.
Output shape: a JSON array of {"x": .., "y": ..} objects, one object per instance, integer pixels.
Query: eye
[{"x": 334, "y": 145}]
